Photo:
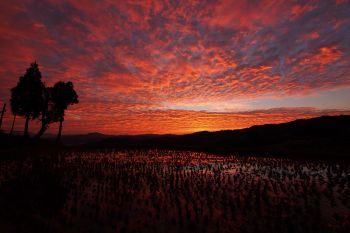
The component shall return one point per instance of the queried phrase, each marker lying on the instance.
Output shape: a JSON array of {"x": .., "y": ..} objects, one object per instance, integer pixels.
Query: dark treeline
[{"x": 31, "y": 99}]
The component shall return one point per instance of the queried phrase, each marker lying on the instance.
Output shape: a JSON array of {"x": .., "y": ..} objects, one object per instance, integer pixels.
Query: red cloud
[
  {"x": 298, "y": 10},
  {"x": 324, "y": 56}
]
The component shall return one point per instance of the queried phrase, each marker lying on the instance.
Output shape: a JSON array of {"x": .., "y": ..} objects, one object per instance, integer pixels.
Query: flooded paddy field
[{"x": 172, "y": 191}]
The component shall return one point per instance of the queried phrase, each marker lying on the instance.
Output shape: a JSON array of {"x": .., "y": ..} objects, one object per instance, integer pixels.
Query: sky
[{"x": 155, "y": 67}]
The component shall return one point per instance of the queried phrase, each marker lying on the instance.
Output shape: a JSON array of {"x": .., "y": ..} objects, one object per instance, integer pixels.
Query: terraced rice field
[{"x": 172, "y": 191}]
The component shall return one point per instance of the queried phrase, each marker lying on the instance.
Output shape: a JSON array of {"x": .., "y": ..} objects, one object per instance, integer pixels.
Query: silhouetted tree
[
  {"x": 63, "y": 94},
  {"x": 27, "y": 97}
]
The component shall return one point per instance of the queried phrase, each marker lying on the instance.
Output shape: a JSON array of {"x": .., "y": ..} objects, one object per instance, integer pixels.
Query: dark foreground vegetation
[
  {"x": 326, "y": 137},
  {"x": 171, "y": 191}
]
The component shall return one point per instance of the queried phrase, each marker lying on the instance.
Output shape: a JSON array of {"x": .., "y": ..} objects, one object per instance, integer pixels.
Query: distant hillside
[{"x": 321, "y": 136}]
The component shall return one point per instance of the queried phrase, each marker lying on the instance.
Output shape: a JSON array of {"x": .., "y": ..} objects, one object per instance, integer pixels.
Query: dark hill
[{"x": 321, "y": 136}]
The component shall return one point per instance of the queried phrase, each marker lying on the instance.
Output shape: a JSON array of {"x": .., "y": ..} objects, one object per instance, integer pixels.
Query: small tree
[
  {"x": 27, "y": 97},
  {"x": 63, "y": 95}
]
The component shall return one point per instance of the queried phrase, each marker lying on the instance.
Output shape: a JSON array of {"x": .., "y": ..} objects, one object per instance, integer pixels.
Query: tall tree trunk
[
  {"x": 41, "y": 131},
  {"x": 60, "y": 130},
  {"x": 26, "y": 127},
  {"x": 43, "y": 128},
  {"x": 2, "y": 114},
  {"x": 13, "y": 124}
]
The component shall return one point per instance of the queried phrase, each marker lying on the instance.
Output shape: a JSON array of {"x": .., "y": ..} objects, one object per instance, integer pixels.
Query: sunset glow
[{"x": 142, "y": 67}]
